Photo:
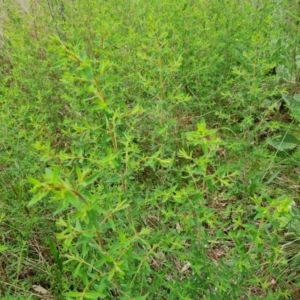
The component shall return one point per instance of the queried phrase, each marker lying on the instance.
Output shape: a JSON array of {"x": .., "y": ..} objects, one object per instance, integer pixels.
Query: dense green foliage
[{"x": 149, "y": 149}]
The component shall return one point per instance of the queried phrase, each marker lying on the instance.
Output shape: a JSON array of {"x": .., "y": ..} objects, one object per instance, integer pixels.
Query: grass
[{"x": 149, "y": 150}]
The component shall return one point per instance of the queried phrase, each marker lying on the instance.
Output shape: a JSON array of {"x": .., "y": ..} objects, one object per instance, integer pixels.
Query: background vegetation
[{"x": 149, "y": 149}]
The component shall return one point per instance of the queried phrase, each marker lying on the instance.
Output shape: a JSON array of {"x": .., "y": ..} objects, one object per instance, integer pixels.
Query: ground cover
[{"x": 149, "y": 150}]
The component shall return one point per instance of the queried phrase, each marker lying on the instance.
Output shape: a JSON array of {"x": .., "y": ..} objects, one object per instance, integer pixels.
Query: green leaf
[
  {"x": 273, "y": 176},
  {"x": 72, "y": 199},
  {"x": 88, "y": 72},
  {"x": 93, "y": 295},
  {"x": 122, "y": 205},
  {"x": 136, "y": 298},
  {"x": 49, "y": 172},
  {"x": 185, "y": 6},
  {"x": 293, "y": 104},
  {"x": 284, "y": 142},
  {"x": 111, "y": 224},
  {"x": 297, "y": 97},
  {"x": 85, "y": 295},
  {"x": 60, "y": 63},
  {"x": 53, "y": 249},
  {"x": 55, "y": 254},
  {"x": 83, "y": 55},
  {"x": 91, "y": 179},
  {"x": 76, "y": 272},
  {"x": 287, "y": 99},
  {"x": 3, "y": 248},
  {"x": 79, "y": 173},
  {"x": 94, "y": 220},
  {"x": 63, "y": 205},
  {"x": 34, "y": 181},
  {"x": 114, "y": 178},
  {"x": 111, "y": 274},
  {"x": 37, "y": 198},
  {"x": 55, "y": 174}
]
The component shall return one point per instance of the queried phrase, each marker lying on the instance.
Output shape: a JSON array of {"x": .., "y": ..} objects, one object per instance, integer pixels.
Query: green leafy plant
[{"x": 145, "y": 131}]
